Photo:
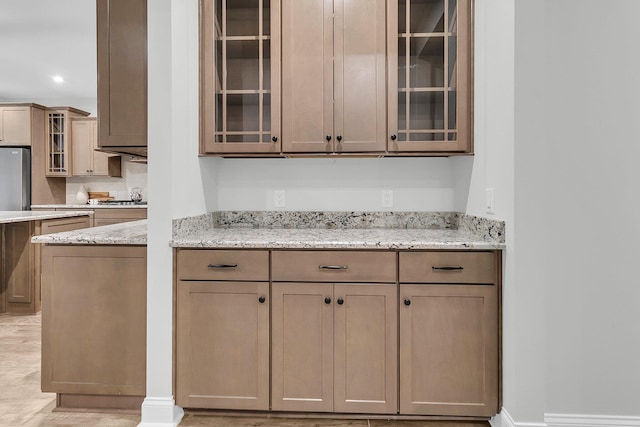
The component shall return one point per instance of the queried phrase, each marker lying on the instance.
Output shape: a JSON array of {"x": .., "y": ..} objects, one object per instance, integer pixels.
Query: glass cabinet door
[
  {"x": 430, "y": 89},
  {"x": 57, "y": 145},
  {"x": 240, "y": 84}
]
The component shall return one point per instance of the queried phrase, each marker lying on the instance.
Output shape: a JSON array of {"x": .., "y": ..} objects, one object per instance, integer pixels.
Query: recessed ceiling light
[{"x": 58, "y": 79}]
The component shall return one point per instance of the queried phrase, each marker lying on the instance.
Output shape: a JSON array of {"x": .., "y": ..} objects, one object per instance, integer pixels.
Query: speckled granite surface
[
  {"x": 127, "y": 233},
  {"x": 21, "y": 216},
  {"x": 88, "y": 206},
  {"x": 333, "y": 230}
]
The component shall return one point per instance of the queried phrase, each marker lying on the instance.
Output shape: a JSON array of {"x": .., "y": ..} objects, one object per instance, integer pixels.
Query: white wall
[
  {"x": 590, "y": 178},
  {"x": 418, "y": 184}
]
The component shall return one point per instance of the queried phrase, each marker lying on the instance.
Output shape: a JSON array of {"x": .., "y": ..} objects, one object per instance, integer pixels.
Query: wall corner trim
[
  {"x": 582, "y": 420},
  {"x": 160, "y": 412},
  {"x": 504, "y": 419}
]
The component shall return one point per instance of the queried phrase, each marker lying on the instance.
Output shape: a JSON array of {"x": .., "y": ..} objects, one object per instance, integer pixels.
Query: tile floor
[{"x": 23, "y": 404}]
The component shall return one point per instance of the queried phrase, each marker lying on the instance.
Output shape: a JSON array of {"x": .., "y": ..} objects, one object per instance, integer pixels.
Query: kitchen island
[
  {"x": 94, "y": 316},
  {"x": 20, "y": 259}
]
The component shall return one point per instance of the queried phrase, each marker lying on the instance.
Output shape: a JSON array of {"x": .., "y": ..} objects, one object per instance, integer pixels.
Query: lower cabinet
[
  {"x": 223, "y": 345},
  {"x": 20, "y": 273},
  {"x": 334, "y": 347},
  {"x": 94, "y": 325},
  {"x": 222, "y": 329},
  {"x": 368, "y": 332}
]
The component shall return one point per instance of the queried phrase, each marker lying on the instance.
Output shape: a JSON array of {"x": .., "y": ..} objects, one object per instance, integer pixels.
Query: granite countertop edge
[
  {"x": 8, "y": 217},
  {"x": 88, "y": 206},
  {"x": 133, "y": 233}
]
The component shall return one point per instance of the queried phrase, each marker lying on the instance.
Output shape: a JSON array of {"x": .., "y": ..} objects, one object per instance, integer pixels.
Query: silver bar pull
[
  {"x": 333, "y": 267},
  {"x": 436, "y": 268},
  {"x": 223, "y": 266}
]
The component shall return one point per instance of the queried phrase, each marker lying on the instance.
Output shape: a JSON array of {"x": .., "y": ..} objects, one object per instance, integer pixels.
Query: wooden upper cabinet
[
  {"x": 333, "y": 76},
  {"x": 86, "y": 160},
  {"x": 430, "y": 53},
  {"x": 15, "y": 125},
  {"x": 122, "y": 75},
  {"x": 240, "y": 76},
  {"x": 59, "y": 157}
]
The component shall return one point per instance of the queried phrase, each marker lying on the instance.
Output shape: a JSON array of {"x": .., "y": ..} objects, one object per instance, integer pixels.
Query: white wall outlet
[
  {"x": 490, "y": 201},
  {"x": 278, "y": 199},
  {"x": 387, "y": 198}
]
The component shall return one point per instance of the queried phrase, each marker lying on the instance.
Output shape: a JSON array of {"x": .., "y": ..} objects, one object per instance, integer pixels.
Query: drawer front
[
  {"x": 67, "y": 224},
  {"x": 131, "y": 214},
  {"x": 448, "y": 267},
  {"x": 194, "y": 264},
  {"x": 334, "y": 266}
]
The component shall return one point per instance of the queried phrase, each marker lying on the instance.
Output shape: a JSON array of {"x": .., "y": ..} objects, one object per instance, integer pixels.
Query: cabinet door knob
[
  {"x": 274, "y": 138},
  {"x": 393, "y": 137},
  {"x": 262, "y": 299},
  {"x": 340, "y": 301},
  {"x": 327, "y": 300},
  {"x": 328, "y": 137},
  {"x": 339, "y": 138},
  {"x": 407, "y": 301}
]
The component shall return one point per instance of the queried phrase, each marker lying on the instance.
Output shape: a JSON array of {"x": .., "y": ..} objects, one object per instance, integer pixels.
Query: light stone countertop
[
  {"x": 88, "y": 206},
  {"x": 126, "y": 233},
  {"x": 314, "y": 238},
  {"x": 22, "y": 216}
]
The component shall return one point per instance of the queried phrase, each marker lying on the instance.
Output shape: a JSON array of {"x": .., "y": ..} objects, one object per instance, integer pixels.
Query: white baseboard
[
  {"x": 160, "y": 412},
  {"x": 504, "y": 419},
  {"x": 581, "y": 420}
]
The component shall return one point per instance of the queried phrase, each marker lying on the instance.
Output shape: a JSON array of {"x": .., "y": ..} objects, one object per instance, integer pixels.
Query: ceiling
[{"x": 43, "y": 38}]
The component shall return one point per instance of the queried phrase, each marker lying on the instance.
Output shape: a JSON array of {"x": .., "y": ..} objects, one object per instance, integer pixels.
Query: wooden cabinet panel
[
  {"x": 366, "y": 343},
  {"x": 59, "y": 156},
  {"x": 15, "y": 125},
  {"x": 448, "y": 267},
  {"x": 122, "y": 75},
  {"x": 196, "y": 264},
  {"x": 222, "y": 358},
  {"x": 19, "y": 269},
  {"x": 334, "y": 79},
  {"x": 334, "y": 266},
  {"x": 94, "y": 320},
  {"x": 449, "y": 350},
  {"x": 65, "y": 224},
  {"x": 86, "y": 160},
  {"x": 302, "y": 347}
]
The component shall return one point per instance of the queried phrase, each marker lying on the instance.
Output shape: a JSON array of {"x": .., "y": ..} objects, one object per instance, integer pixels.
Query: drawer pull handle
[
  {"x": 434, "y": 268},
  {"x": 333, "y": 267},
  {"x": 223, "y": 266}
]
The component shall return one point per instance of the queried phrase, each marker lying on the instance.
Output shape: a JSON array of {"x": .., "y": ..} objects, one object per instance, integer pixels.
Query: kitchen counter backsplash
[{"x": 485, "y": 228}]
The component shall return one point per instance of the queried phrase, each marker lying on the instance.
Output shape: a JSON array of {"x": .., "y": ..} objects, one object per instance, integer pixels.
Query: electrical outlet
[
  {"x": 490, "y": 201},
  {"x": 278, "y": 198},
  {"x": 387, "y": 198}
]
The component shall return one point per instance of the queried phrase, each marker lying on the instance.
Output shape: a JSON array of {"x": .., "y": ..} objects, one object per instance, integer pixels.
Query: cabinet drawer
[
  {"x": 194, "y": 264},
  {"x": 448, "y": 267},
  {"x": 334, "y": 266},
  {"x": 131, "y": 214}
]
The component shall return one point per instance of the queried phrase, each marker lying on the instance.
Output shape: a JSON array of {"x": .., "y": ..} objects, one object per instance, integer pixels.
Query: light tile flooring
[{"x": 23, "y": 404}]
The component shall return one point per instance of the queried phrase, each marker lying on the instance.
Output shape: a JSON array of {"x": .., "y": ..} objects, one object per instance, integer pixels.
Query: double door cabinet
[
  {"x": 330, "y": 77},
  {"x": 379, "y": 332}
]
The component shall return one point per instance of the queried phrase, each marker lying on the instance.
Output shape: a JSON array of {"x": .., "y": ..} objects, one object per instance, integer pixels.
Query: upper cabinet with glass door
[
  {"x": 430, "y": 76},
  {"x": 240, "y": 76}
]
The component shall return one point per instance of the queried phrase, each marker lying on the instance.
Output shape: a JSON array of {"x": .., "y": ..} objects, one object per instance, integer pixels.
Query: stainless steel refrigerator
[{"x": 15, "y": 179}]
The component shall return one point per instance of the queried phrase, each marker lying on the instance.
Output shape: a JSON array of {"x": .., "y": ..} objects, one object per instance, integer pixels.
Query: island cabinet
[
  {"x": 20, "y": 276},
  {"x": 333, "y": 76},
  {"x": 449, "y": 317},
  {"x": 334, "y": 333},
  {"x": 94, "y": 325},
  {"x": 222, "y": 329}
]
